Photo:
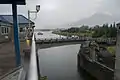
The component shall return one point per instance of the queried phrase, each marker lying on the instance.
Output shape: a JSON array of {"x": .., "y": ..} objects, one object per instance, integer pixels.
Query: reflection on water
[
  {"x": 48, "y": 35},
  {"x": 60, "y": 63}
]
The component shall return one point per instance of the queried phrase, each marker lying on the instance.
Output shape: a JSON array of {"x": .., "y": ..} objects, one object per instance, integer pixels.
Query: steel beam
[{"x": 16, "y": 35}]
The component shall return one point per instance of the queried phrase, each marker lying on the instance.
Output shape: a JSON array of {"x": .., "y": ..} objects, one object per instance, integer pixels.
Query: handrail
[
  {"x": 85, "y": 38},
  {"x": 106, "y": 40},
  {"x": 33, "y": 66}
]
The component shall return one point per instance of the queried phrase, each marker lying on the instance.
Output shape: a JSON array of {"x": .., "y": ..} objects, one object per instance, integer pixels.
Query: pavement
[
  {"x": 13, "y": 75},
  {"x": 7, "y": 56}
]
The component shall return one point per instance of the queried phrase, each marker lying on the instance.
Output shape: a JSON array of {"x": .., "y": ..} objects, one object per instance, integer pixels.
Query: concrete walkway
[
  {"x": 7, "y": 56},
  {"x": 13, "y": 75}
]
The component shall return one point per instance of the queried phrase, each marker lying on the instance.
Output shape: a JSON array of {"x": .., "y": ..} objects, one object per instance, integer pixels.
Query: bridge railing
[
  {"x": 33, "y": 71},
  {"x": 79, "y": 38}
]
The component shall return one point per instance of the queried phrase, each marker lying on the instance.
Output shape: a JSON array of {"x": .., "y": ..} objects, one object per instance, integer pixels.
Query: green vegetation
[
  {"x": 104, "y": 31},
  {"x": 111, "y": 49},
  {"x": 44, "y": 78}
]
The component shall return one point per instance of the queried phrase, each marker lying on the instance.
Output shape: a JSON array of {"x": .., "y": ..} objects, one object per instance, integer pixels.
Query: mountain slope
[{"x": 98, "y": 19}]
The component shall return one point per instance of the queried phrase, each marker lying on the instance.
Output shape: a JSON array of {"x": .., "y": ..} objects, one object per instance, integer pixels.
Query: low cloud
[{"x": 57, "y": 12}]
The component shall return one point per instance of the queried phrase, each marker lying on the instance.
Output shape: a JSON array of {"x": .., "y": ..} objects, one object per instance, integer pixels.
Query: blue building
[{"x": 6, "y": 27}]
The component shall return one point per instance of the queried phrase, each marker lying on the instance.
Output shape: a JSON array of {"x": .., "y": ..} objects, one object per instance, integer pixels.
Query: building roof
[{"x": 9, "y": 19}]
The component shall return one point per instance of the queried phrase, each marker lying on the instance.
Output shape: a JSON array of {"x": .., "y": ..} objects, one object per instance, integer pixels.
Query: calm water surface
[
  {"x": 60, "y": 63},
  {"x": 48, "y": 35}
]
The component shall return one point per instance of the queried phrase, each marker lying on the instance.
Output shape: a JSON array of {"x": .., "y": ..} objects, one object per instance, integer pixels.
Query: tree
[
  {"x": 114, "y": 25},
  {"x": 98, "y": 31},
  {"x": 84, "y": 27}
]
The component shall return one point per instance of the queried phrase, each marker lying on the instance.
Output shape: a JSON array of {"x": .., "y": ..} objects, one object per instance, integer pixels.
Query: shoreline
[{"x": 42, "y": 46}]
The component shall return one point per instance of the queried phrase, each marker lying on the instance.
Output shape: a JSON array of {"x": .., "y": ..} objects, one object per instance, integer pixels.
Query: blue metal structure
[
  {"x": 16, "y": 39},
  {"x": 16, "y": 36}
]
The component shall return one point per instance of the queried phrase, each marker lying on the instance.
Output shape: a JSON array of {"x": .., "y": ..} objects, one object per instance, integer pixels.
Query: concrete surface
[{"x": 7, "y": 56}]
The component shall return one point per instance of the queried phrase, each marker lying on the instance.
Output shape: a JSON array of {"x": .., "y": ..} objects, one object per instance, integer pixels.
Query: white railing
[
  {"x": 33, "y": 66},
  {"x": 78, "y": 39}
]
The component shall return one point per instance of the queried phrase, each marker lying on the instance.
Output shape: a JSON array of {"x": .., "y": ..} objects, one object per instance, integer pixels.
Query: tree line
[{"x": 106, "y": 31}]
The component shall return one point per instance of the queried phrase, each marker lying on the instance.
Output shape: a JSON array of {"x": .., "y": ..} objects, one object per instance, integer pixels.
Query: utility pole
[
  {"x": 117, "y": 59},
  {"x": 29, "y": 23},
  {"x": 29, "y": 28}
]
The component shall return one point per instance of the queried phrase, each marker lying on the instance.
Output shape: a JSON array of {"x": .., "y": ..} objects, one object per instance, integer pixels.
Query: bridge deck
[
  {"x": 80, "y": 40},
  {"x": 7, "y": 56},
  {"x": 13, "y": 74}
]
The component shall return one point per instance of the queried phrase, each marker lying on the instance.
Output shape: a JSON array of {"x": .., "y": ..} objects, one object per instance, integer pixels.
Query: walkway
[
  {"x": 7, "y": 56},
  {"x": 13, "y": 75}
]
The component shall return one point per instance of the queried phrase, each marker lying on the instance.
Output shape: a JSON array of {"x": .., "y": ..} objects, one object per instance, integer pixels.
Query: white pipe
[{"x": 32, "y": 73}]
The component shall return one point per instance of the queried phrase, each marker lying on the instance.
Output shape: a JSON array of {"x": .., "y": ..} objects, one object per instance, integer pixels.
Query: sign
[{"x": 18, "y": 2}]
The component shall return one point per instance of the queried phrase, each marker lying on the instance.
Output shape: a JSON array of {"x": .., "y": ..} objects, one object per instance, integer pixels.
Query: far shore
[{"x": 42, "y": 46}]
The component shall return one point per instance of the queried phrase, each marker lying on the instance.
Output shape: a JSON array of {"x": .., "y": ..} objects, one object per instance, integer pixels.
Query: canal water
[
  {"x": 60, "y": 63},
  {"x": 48, "y": 35}
]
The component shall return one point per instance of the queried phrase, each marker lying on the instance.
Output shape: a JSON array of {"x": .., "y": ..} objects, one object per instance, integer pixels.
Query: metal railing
[
  {"x": 81, "y": 38},
  {"x": 33, "y": 72},
  {"x": 106, "y": 40}
]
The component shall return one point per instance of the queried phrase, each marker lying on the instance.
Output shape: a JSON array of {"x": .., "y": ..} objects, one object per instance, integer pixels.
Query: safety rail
[
  {"x": 57, "y": 40},
  {"x": 33, "y": 71},
  {"x": 79, "y": 38}
]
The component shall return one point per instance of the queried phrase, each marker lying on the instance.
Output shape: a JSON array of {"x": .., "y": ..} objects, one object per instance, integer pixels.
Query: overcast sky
[{"x": 59, "y": 12}]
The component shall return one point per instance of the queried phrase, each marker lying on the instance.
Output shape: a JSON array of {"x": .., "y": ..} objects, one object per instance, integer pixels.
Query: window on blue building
[{"x": 4, "y": 30}]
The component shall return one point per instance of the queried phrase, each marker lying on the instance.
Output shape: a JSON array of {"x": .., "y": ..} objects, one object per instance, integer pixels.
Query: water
[
  {"x": 60, "y": 63},
  {"x": 48, "y": 35}
]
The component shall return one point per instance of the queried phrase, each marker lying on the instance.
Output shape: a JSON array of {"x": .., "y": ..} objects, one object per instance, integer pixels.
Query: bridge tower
[{"x": 117, "y": 59}]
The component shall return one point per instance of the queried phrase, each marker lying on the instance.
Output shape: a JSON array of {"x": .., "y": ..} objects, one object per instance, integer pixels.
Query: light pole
[{"x": 28, "y": 31}]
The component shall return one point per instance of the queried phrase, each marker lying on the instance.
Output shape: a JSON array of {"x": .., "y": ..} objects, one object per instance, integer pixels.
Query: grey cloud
[
  {"x": 57, "y": 12},
  {"x": 111, "y": 6}
]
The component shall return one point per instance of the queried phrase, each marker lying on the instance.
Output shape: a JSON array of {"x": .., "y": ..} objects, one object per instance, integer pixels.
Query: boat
[
  {"x": 39, "y": 33},
  {"x": 96, "y": 60}
]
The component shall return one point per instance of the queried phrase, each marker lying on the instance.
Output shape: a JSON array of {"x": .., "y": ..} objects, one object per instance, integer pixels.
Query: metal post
[
  {"x": 117, "y": 61},
  {"x": 29, "y": 19},
  {"x": 28, "y": 30},
  {"x": 16, "y": 36}
]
